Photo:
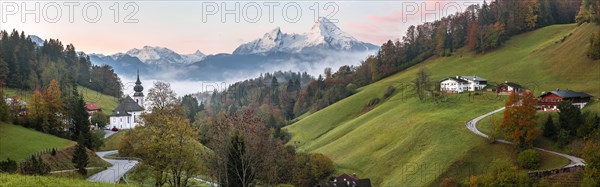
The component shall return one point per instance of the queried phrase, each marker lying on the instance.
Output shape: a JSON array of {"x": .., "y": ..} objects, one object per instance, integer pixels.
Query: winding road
[
  {"x": 472, "y": 126},
  {"x": 114, "y": 173}
]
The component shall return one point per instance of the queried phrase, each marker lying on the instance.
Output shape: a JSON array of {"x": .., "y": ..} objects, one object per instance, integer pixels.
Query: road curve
[
  {"x": 114, "y": 173},
  {"x": 472, "y": 126}
]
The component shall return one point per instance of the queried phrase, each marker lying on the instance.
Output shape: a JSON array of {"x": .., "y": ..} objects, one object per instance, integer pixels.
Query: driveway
[
  {"x": 114, "y": 173},
  {"x": 472, "y": 126}
]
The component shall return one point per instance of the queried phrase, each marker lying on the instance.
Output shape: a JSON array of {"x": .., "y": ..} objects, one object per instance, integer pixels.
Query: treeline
[
  {"x": 273, "y": 94},
  {"x": 26, "y": 66}
]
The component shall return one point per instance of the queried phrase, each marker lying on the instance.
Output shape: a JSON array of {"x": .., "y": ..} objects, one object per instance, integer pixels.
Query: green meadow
[{"x": 407, "y": 142}]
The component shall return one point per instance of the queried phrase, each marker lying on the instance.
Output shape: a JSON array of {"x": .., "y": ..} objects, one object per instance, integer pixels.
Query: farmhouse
[
  {"x": 508, "y": 87},
  {"x": 461, "y": 84},
  {"x": 549, "y": 101},
  {"x": 127, "y": 114},
  {"x": 92, "y": 108},
  {"x": 345, "y": 180}
]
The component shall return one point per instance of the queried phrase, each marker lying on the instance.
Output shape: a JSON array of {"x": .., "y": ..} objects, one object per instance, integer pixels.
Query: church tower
[{"x": 138, "y": 96}]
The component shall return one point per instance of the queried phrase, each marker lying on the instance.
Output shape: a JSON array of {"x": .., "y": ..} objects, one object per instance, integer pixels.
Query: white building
[
  {"x": 461, "y": 84},
  {"x": 127, "y": 114}
]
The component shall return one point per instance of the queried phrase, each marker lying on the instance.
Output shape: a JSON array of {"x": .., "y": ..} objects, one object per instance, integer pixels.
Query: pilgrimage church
[{"x": 127, "y": 114}]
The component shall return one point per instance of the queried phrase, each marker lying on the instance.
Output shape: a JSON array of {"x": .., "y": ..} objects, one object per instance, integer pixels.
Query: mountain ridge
[
  {"x": 324, "y": 45},
  {"x": 323, "y": 35}
]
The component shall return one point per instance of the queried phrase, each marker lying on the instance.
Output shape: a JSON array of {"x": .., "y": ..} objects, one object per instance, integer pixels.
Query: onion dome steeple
[{"x": 138, "y": 88}]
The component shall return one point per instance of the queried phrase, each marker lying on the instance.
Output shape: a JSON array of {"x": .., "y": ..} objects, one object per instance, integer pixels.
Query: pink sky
[{"x": 177, "y": 25}]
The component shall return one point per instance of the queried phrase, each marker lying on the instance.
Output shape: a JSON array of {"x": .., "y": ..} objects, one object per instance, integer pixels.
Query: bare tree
[
  {"x": 422, "y": 84},
  {"x": 161, "y": 96},
  {"x": 240, "y": 143}
]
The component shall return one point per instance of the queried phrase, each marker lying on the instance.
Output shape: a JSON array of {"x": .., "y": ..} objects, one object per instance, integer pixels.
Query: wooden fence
[{"x": 550, "y": 172}]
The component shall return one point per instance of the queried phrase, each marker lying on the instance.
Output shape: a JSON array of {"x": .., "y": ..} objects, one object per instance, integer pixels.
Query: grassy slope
[
  {"x": 23, "y": 180},
  {"x": 404, "y": 142},
  {"x": 17, "y": 142},
  {"x": 112, "y": 142},
  {"x": 107, "y": 103}
]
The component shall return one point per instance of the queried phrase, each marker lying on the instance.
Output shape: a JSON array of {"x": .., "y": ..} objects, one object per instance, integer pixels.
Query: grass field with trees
[{"x": 405, "y": 131}]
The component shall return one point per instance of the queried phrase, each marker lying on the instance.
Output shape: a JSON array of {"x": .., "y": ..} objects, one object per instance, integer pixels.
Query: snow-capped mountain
[
  {"x": 194, "y": 57},
  {"x": 161, "y": 55},
  {"x": 37, "y": 40},
  {"x": 324, "y": 35},
  {"x": 324, "y": 45}
]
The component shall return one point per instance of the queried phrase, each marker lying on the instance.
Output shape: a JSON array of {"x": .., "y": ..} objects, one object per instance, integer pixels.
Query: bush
[
  {"x": 97, "y": 139},
  {"x": 529, "y": 159},
  {"x": 563, "y": 137},
  {"x": 312, "y": 169},
  {"x": 8, "y": 166},
  {"x": 352, "y": 87},
  {"x": 373, "y": 102},
  {"x": 34, "y": 166},
  {"x": 594, "y": 49},
  {"x": 449, "y": 182},
  {"x": 500, "y": 173},
  {"x": 389, "y": 92}
]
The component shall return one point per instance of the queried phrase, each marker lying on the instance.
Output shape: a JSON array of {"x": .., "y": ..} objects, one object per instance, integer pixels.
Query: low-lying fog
[{"x": 183, "y": 87}]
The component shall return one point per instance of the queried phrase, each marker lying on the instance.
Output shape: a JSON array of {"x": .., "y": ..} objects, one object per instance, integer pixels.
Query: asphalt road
[
  {"x": 108, "y": 133},
  {"x": 472, "y": 126},
  {"x": 114, "y": 173}
]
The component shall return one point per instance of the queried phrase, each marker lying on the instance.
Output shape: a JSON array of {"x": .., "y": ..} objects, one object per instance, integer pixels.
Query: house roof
[
  {"x": 92, "y": 107},
  {"x": 473, "y": 78},
  {"x": 345, "y": 180},
  {"x": 126, "y": 106},
  {"x": 511, "y": 84},
  {"x": 346, "y": 176},
  {"x": 567, "y": 94},
  {"x": 455, "y": 79}
]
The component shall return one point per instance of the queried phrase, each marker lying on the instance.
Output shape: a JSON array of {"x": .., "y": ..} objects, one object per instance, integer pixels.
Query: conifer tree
[
  {"x": 80, "y": 157},
  {"x": 549, "y": 128}
]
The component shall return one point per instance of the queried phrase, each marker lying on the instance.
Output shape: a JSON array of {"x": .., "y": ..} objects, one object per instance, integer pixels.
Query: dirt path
[
  {"x": 472, "y": 126},
  {"x": 70, "y": 170}
]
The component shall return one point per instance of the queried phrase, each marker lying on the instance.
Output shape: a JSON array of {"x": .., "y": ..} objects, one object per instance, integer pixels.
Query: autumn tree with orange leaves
[{"x": 519, "y": 120}]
